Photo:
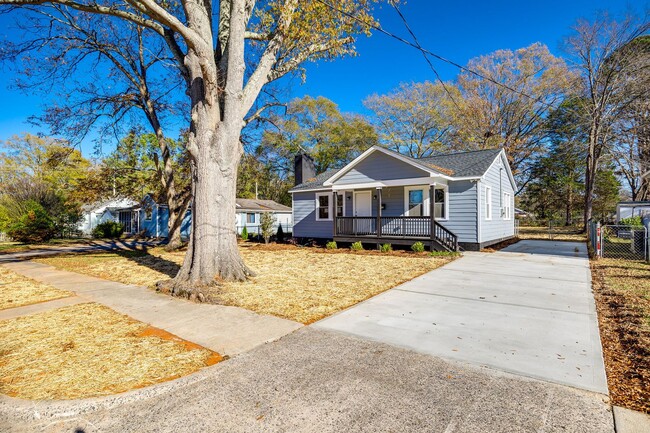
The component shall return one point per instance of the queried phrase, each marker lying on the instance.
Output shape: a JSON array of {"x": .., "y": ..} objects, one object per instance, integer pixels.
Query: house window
[
  {"x": 340, "y": 205},
  {"x": 250, "y": 218},
  {"x": 440, "y": 206},
  {"x": 488, "y": 203},
  {"x": 507, "y": 207},
  {"x": 323, "y": 207},
  {"x": 148, "y": 213},
  {"x": 415, "y": 205}
]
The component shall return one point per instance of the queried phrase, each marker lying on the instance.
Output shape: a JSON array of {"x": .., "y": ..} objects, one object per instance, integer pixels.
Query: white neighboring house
[
  {"x": 249, "y": 214},
  {"x": 96, "y": 213}
]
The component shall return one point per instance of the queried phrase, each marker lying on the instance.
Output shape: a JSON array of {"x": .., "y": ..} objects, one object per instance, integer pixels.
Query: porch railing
[{"x": 414, "y": 227}]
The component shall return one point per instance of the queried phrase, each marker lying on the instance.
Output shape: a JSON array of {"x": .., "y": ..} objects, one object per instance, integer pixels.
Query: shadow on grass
[{"x": 155, "y": 263}]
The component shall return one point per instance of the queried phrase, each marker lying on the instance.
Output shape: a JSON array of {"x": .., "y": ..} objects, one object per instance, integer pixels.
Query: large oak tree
[{"x": 226, "y": 53}]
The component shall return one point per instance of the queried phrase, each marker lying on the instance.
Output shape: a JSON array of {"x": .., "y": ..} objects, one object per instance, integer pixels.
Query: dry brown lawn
[
  {"x": 301, "y": 284},
  {"x": 557, "y": 233},
  {"x": 17, "y": 291},
  {"x": 89, "y": 350},
  {"x": 622, "y": 291}
]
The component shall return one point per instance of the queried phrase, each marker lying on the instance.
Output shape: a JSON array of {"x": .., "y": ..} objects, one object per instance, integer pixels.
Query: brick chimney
[{"x": 304, "y": 169}]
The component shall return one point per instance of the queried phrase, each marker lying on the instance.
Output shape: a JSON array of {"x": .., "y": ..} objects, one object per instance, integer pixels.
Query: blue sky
[{"x": 458, "y": 30}]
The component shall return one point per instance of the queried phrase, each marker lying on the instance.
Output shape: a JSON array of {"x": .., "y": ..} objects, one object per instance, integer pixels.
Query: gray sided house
[{"x": 458, "y": 200}]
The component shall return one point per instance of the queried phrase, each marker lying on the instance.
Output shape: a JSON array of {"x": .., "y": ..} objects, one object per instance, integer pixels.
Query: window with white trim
[
  {"x": 440, "y": 206},
  {"x": 340, "y": 205},
  {"x": 488, "y": 203},
  {"x": 507, "y": 206},
  {"x": 416, "y": 201},
  {"x": 323, "y": 207},
  {"x": 250, "y": 218}
]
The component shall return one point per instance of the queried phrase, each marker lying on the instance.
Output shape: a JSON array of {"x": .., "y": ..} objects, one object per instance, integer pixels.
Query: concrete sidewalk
[
  {"x": 319, "y": 381},
  {"x": 226, "y": 330},
  {"x": 91, "y": 246},
  {"x": 527, "y": 309}
]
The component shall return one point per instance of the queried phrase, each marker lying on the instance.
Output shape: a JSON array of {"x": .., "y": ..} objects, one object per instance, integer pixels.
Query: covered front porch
[{"x": 399, "y": 214}]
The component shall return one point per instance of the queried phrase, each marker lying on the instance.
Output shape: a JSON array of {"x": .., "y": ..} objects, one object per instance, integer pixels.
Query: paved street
[{"x": 321, "y": 381}]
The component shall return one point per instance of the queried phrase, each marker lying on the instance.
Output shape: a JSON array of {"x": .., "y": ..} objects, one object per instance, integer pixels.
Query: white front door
[{"x": 363, "y": 203}]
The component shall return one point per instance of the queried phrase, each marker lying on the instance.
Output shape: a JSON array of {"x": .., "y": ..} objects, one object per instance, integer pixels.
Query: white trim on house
[
  {"x": 342, "y": 195},
  {"x": 504, "y": 159},
  {"x": 414, "y": 181},
  {"x": 329, "y": 206},
  {"x": 445, "y": 188},
  {"x": 425, "y": 199},
  {"x": 507, "y": 206},
  {"x": 364, "y": 155},
  {"x": 479, "y": 207},
  {"x": 294, "y": 191},
  {"x": 488, "y": 202}
]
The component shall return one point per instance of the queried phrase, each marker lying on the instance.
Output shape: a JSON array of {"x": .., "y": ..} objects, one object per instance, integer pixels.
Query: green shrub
[
  {"x": 108, "y": 229},
  {"x": 244, "y": 234},
  {"x": 279, "y": 236},
  {"x": 331, "y": 245},
  {"x": 34, "y": 225},
  {"x": 386, "y": 248},
  {"x": 267, "y": 221},
  {"x": 357, "y": 246},
  {"x": 418, "y": 247},
  {"x": 632, "y": 221}
]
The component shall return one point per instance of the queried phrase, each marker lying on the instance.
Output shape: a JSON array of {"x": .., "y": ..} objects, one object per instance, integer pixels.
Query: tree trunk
[
  {"x": 213, "y": 254},
  {"x": 177, "y": 213},
  {"x": 590, "y": 175}
]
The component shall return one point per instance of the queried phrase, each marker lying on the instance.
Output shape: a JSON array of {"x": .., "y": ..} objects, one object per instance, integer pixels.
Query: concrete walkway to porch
[{"x": 226, "y": 330}]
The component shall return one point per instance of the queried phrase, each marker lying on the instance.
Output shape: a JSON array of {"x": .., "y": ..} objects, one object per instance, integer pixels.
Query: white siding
[{"x": 498, "y": 180}]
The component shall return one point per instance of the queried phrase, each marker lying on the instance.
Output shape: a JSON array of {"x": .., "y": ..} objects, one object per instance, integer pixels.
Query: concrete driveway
[{"x": 527, "y": 309}]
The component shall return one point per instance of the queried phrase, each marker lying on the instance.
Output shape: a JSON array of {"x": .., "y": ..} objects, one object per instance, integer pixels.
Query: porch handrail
[
  {"x": 415, "y": 227},
  {"x": 445, "y": 236}
]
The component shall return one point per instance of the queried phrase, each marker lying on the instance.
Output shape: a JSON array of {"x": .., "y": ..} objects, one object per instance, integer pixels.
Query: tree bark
[
  {"x": 590, "y": 174},
  {"x": 215, "y": 149},
  {"x": 213, "y": 222}
]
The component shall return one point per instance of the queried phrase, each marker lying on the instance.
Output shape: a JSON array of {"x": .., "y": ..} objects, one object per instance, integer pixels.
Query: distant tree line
[{"x": 576, "y": 129}]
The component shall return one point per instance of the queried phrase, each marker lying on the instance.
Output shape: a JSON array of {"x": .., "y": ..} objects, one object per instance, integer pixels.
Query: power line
[
  {"x": 425, "y": 51},
  {"x": 419, "y": 47}
]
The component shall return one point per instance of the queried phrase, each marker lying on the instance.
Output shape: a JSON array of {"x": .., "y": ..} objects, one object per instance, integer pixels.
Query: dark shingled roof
[
  {"x": 250, "y": 204},
  {"x": 460, "y": 164},
  {"x": 464, "y": 164}
]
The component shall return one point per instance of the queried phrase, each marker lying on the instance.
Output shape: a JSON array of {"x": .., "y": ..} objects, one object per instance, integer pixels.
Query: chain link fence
[
  {"x": 551, "y": 230},
  {"x": 618, "y": 241}
]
